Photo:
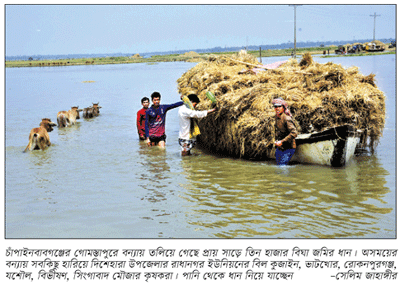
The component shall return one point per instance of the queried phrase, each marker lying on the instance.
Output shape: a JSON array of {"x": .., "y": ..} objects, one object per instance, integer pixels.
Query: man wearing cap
[
  {"x": 285, "y": 132},
  {"x": 185, "y": 115}
]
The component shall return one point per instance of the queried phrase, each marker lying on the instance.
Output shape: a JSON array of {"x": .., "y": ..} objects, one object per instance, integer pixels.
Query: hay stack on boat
[{"x": 319, "y": 95}]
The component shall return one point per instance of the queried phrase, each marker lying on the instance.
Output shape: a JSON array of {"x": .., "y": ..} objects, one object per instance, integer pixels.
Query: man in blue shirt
[{"x": 155, "y": 121}]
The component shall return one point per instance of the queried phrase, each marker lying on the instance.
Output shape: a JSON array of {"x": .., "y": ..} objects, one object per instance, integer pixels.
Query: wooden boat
[
  {"x": 333, "y": 147},
  {"x": 376, "y": 49}
]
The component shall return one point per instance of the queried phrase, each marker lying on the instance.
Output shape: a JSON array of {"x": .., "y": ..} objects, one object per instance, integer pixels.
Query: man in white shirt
[{"x": 185, "y": 114}]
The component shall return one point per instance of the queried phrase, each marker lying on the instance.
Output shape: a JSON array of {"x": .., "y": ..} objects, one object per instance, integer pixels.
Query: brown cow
[
  {"x": 96, "y": 109},
  {"x": 68, "y": 118},
  {"x": 39, "y": 137},
  {"x": 88, "y": 112}
]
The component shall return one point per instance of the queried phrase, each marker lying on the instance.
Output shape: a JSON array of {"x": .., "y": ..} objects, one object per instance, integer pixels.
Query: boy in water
[
  {"x": 155, "y": 121},
  {"x": 141, "y": 118}
]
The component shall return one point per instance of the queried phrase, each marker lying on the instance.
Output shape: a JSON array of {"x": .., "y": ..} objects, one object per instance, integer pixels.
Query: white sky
[{"x": 86, "y": 29}]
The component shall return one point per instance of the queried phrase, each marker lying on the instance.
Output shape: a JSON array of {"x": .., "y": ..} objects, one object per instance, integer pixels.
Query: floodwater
[{"x": 97, "y": 180}]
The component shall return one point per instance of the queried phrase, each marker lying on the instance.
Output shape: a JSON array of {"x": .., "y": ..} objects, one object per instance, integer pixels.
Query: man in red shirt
[{"x": 141, "y": 118}]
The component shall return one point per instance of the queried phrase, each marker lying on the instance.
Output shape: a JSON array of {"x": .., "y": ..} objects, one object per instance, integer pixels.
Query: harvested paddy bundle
[
  {"x": 190, "y": 53},
  {"x": 378, "y": 43},
  {"x": 192, "y": 56},
  {"x": 320, "y": 96}
]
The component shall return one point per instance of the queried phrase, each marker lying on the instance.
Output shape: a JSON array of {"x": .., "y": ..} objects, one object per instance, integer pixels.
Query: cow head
[
  {"x": 96, "y": 105},
  {"x": 47, "y": 124},
  {"x": 96, "y": 108},
  {"x": 76, "y": 110}
]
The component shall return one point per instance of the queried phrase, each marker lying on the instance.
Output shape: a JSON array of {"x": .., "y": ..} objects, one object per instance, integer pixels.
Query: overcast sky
[{"x": 88, "y": 29}]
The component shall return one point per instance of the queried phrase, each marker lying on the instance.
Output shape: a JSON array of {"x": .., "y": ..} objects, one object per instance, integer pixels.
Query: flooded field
[{"x": 97, "y": 180}]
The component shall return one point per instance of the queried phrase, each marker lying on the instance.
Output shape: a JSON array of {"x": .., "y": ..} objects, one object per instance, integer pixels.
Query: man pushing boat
[
  {"x": 186, "y": 113},
  {"x": 285, "y": 132}
]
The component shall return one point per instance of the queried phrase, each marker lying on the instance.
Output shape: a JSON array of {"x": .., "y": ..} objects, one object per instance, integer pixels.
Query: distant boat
[
  {"x": 376, "y": 49},
  {"x": 333, "y": 147}
]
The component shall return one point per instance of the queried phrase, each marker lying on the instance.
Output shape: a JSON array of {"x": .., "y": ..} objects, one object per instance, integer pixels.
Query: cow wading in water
[
  {"x": 68, "y": 118},
  {"x": 92, "y": 111},
  {"x": 96, "y": 109},
  {"x": 39, "y": 137}
]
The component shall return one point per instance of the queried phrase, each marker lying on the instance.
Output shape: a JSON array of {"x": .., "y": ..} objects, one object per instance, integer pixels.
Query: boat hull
[{"x": 333, "y": 147}]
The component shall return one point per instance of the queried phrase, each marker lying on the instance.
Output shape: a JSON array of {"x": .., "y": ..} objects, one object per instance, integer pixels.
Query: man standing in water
[
  {"x": 285, "y": 132},
  {"x": 155, "y": 121},
  {"x": 141, "y": 118},
  {"x": 185, "y": 114}
]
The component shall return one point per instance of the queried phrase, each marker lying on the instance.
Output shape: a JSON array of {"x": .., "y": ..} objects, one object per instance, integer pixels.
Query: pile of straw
[
  {"x": 190, "y": 53},
  {"x": 319, "y": 95},
  {"x": 192, "y": 56},
  {"x": 378, "y": 43}
]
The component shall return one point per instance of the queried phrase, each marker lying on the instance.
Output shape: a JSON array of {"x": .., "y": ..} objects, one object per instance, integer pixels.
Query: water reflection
[
  {"x": 68, "y": 133},
  {"x": 35, "y": 190},
  {"x": 98, "y": 166},
  {"x": 154, "y": 172},
  {"x": 232, "y": 198},
  {"x": 38, "y": 158},
  {"x": 155, "y": 180}
]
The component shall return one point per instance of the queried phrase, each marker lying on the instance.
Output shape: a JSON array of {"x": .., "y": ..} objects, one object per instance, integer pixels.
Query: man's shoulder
[
  {"x": 286, "y": 117},
  {"x": 183, "y": 109},
  {"x": 283, "y": 118},
  {"x": 149, "y": 110}
]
